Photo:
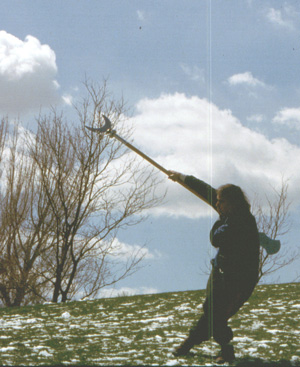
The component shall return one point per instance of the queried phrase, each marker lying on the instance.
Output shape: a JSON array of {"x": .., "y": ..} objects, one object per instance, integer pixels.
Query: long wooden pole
[
  {"x": 112, "y": 133},
  {"x": 107, "y": 129}
]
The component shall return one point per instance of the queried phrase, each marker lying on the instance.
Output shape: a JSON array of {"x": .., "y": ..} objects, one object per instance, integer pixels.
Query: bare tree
[
  {"x": 93, "y": 187},
  {"x": 3, "y": 136},
  {"x": 24, "y": 224},
  {"x": 274, "y": 222}
]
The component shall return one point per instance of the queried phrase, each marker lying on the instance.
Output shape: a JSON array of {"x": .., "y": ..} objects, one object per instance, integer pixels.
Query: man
[{"x": 234, "y": 269}]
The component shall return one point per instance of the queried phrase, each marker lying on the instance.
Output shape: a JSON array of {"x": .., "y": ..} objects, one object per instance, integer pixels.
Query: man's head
[{"x": 231, "y": 200}]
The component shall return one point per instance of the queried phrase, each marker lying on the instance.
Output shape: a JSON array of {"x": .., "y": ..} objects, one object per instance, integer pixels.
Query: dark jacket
[{"x": 235, "y": 236}]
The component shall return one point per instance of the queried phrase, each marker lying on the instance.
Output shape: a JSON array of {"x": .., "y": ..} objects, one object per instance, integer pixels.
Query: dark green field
[{"x": 143, "y": 330}]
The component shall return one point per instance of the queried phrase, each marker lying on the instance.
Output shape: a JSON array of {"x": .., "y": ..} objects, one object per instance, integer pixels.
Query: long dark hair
[{"x": 236, "y": 197}]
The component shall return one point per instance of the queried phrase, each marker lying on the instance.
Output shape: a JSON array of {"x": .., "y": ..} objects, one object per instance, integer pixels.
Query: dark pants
[{"x": 224, "y": 298}]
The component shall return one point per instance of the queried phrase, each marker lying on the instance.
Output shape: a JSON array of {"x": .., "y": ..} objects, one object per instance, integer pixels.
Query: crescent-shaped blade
[{"x": 106, "y": 127}]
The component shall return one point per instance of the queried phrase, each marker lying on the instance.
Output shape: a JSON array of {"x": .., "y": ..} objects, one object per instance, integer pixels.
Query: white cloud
[
  {"x": 282, "y": 18},
  {"x": 245, "y": 78},
  {"x": 124, "y": 251},
  {"x": 68, "y": 99},
  {"x": 126, "y": 291},
  {"x": 27, "y": 74},
  {"x": 193, "y": 73},
  {"x": 193, "y": 136},
  {"x": 289, "y": 117},
  {"x": 141, "y": 15}
]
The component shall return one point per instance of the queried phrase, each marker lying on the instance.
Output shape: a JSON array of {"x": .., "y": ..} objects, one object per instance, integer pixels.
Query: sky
[{"x": 213, "y": 90}]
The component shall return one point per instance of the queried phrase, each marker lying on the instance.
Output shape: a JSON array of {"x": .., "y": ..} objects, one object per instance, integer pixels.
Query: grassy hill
[{"x": 143, "y": 330}]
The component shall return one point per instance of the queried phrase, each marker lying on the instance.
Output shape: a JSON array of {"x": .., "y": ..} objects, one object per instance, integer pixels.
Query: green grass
[{"x": 143, "y": 330}]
